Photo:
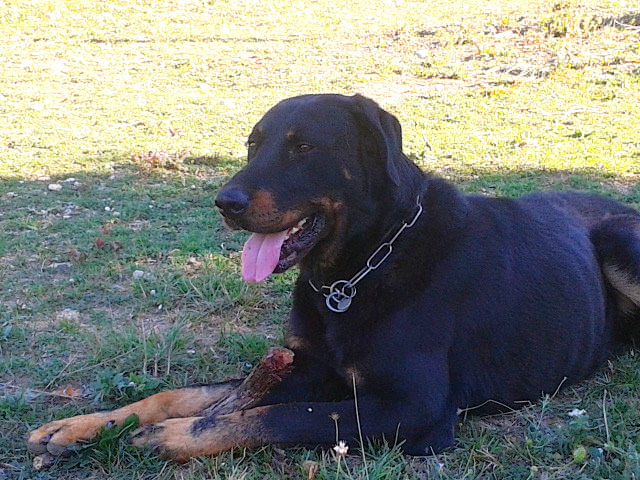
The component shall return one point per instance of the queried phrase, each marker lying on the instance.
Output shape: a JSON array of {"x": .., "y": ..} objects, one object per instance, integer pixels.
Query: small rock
[
  {"x": 61, "y": 267},
  {"x": 55, "y": 187},
  {"x": 69, "y": 315},
  {"x": 422, "y": 53},
  {"x": 54, "y": 15},
  {"x": 137, "y": 274},
  {"x": 11, "y": 194},
  {"x": 576, "y": 412},
  {"x": 506, "y": 34},
  {"x": 43, "y": 461}
]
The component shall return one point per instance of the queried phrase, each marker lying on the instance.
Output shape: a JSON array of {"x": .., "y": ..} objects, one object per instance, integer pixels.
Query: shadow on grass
[{"x": 77, "y": 246}]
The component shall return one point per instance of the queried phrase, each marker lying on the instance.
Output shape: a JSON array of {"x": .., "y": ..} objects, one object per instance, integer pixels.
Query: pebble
[
  {"x": 55, "y": 187},
  {"x": 69, "y": 315}
]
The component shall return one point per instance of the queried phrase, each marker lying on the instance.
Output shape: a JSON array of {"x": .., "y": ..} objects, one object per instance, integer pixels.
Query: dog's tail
[{"x": 617, "y": 242}]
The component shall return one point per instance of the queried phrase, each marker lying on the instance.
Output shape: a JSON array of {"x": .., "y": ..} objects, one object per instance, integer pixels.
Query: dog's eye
[
  {"x": 251, "y": 144},
  {"x": 304, "y": 148}
]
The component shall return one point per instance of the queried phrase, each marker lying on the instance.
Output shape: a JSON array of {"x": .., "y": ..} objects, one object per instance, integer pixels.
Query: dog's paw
[
  {"x": 172, "y": 439},
  {"x": 56, "y": 437}
]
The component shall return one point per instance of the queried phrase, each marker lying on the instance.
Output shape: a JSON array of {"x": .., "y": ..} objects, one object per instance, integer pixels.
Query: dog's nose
[{"x": 232, "y": 201}]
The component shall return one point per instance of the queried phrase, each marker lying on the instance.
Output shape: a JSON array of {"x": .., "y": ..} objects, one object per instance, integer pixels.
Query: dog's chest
[{"x": 345, "y": 339}]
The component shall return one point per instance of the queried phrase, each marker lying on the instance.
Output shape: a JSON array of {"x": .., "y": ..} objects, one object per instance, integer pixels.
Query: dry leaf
[
  {"x": 69, "y": 391},
  {"x": 311, "y": 467}
]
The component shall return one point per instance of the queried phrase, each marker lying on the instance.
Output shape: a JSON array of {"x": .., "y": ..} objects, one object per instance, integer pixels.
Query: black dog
[{"x": 415, "y": 297}]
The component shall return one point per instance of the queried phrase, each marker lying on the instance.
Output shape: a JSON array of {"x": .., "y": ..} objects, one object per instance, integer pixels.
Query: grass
[{"x": 122, "y": 282}]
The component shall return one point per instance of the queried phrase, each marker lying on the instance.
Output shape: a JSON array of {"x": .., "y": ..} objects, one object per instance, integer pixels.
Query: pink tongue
[{"x": 261, "y": 254}]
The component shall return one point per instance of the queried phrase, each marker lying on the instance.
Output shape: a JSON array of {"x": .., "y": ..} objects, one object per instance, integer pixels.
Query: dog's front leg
[
  {"x": 297, "y": 423},
  {"x": 56, "y": 436},
  {"x": 216, "y": 399}
]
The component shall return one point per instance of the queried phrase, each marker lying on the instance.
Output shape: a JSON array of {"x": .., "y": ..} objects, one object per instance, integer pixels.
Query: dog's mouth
[{"x": 267, "y": 253}]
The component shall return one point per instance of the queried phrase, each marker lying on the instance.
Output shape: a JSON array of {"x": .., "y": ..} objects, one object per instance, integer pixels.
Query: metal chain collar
[{"x": 341, "y": 292}]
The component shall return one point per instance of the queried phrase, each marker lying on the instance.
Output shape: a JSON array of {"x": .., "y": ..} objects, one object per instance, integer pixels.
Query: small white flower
[{"x": 341, "y": 449}]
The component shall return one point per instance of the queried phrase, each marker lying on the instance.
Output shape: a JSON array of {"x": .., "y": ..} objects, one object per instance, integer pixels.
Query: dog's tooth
[{"x": 297, "y": 227}]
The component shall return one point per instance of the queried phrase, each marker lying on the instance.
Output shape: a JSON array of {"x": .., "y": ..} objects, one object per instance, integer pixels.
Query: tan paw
[
  {"x": 173, "y": 439},
  {"x": 56, "y": 436}
]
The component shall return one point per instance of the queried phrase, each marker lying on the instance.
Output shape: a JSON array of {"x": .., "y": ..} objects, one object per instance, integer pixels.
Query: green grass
[{"x": 140, "y": 110}]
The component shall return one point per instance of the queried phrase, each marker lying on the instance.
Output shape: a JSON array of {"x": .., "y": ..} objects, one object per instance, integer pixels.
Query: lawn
[{"x": 121, "y": 120}]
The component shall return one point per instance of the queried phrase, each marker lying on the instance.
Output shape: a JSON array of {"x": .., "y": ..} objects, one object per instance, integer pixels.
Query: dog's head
[{"x": 320, "y": 169}]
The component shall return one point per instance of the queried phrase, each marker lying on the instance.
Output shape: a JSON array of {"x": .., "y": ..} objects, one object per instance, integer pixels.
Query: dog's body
[{"x": 481, "y": 302}]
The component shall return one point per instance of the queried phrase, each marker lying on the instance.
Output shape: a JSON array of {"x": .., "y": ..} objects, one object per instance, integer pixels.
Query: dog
[{"x": 413, "y": 299}]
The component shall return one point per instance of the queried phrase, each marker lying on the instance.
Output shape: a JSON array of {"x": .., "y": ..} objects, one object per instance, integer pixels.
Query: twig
[
  {"x": 604, "y": 414},
  {"x": 89, "y": 367},
  {"x": 40, "y": 392},
  {"x": 144, "y": 348},
  {"x": 61, "y": 372},
  {"x": 355, "y": 400}
]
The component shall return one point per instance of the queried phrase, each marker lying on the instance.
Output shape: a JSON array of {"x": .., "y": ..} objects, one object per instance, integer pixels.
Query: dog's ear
[{"x": 385, "y": 128}]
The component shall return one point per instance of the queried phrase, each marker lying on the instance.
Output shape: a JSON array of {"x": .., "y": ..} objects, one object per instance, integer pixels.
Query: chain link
[{"x": 341, "y": 292}]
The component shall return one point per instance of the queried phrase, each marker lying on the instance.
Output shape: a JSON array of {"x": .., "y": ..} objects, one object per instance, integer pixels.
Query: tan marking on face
[
  {"x": 290, "y": 217},
  {"x": 263, "y": 213},
  {"x": 346, "y": 173},
  {"x": 625, "y": 285},
  {"x": 290, "y": 135},
  {"x": 263, "y": 201},
  {"x": 333, "y": 210}
]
